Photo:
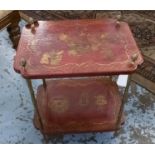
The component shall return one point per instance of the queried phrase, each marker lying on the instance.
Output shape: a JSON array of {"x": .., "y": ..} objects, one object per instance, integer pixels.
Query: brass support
[
  {"x": 125, "y": 95},
  {"x": 29, "y": 83},
  {"x": 118, "y": 23},
  {"x": 45, "y": 87},
  {"x": 44, "y": 83}
]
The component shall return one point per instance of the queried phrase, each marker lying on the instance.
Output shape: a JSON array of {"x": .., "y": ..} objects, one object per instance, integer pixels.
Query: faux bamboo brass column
[
  {"x": 125, "y": 95},
  {"x": 44, "y": 83},
  {"x": 29, "y": 83},
  {"x": 45, "y": 89}
]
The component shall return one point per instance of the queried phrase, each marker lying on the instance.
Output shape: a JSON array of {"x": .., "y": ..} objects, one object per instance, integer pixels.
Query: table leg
[
  {"x": 44, "y": 83},
  {"x": 45, "y": 87},
  {"x": 29, "y": 83},
  {"x": 118, "y": 122}
]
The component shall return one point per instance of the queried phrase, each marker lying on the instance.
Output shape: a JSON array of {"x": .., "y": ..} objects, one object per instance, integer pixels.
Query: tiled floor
[{"x": 16, "y": 110}]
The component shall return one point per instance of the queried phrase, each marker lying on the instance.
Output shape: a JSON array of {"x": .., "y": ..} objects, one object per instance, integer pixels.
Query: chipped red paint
[{"x": 76, "y": 48}]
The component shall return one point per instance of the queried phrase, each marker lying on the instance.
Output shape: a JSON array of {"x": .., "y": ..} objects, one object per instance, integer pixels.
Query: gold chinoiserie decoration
[
  {"x": 59, "y": 105},
  {"x": 100, "y": 100},
  {"x": 53, "y": 58}
]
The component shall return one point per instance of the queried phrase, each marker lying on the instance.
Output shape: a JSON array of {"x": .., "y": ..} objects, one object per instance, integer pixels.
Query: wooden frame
[{"x": 11, "y": 21}]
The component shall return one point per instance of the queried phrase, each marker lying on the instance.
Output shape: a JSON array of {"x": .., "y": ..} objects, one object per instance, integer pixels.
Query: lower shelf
[{"x": 78, "y": 105}]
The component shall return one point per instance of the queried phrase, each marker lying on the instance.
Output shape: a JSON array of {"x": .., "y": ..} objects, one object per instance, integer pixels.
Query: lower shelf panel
[{"x": 78, "y": 105}]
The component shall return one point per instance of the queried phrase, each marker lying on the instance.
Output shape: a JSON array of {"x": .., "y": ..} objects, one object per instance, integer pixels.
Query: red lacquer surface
[
  {"x": 76, "y": 48},
  {"x": 78, "y": 105}
]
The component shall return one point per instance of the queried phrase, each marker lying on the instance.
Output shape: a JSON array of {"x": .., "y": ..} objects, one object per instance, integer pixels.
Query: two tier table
[{"x": 75, "y": 60}]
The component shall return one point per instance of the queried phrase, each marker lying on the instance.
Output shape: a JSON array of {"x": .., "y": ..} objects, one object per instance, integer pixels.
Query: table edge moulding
[{"x": 79, "y": 57}]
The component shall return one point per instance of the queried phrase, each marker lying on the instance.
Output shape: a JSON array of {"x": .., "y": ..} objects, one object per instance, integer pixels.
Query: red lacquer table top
[{"x": 77, "y": 48}]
